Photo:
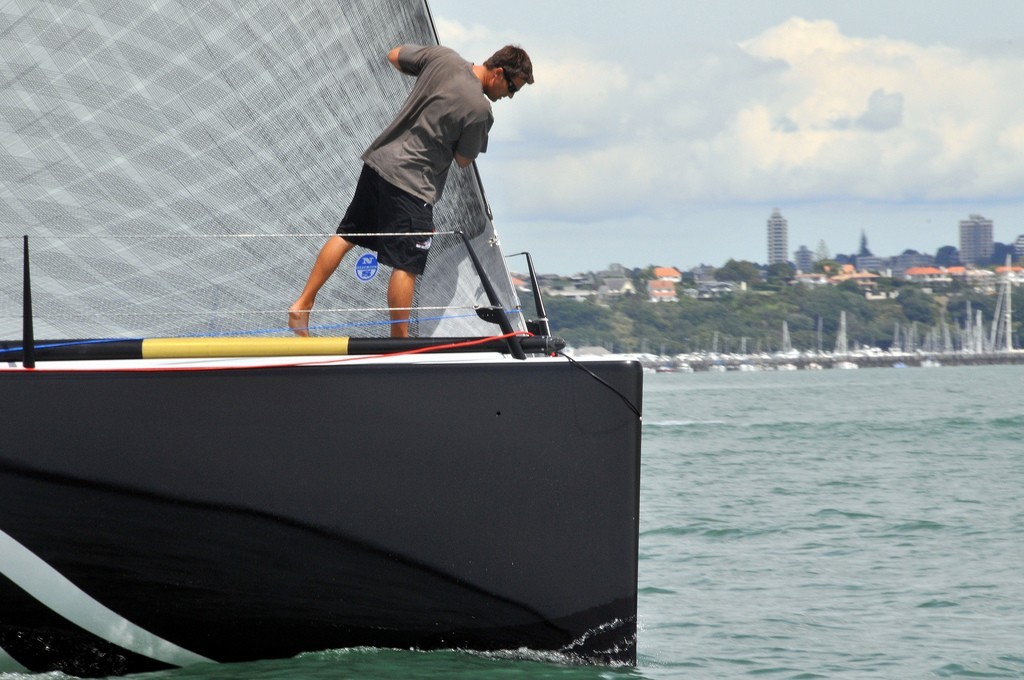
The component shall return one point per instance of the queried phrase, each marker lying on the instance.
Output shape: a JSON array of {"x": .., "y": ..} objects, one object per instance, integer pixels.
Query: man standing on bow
[{"x": 446, "y": 118}]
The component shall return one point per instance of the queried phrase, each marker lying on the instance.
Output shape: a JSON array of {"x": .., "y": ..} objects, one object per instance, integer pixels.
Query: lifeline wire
[{"x": 620, "y": 395}]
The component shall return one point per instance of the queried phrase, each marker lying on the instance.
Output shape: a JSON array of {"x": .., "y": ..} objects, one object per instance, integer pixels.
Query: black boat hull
[{"x": 157, "y": 519}]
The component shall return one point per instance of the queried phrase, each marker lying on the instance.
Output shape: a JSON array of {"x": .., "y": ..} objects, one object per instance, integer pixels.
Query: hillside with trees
[{"x": 752, "y": 320}]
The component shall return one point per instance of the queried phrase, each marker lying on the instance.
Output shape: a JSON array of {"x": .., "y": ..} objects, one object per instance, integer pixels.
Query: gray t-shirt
[{"x": 446, "y": 113}]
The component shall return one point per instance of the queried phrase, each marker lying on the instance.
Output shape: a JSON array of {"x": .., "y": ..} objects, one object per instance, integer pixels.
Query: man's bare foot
[{"x": 298, "y": 321}]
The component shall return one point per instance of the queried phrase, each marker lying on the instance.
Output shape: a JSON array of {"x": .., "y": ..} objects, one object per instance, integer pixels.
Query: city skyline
[
  {"x": 803, "y": 257},
  {"x": 669, "y": 129},
  {"x": 975, "y": 244},
  {"x": 777, "y": 221}
]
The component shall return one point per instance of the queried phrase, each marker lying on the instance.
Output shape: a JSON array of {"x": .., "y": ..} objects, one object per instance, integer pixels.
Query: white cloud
[
  {"x": 572, "y": 99},
  {"x": 883, "y": 118},
  {"x": 463, "y": 38}
]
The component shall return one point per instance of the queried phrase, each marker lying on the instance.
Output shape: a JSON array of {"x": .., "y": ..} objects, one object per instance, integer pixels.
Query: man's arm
[{"x": 461, "y": 160}]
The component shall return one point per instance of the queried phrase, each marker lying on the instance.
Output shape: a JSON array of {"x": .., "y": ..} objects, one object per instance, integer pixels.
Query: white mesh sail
[{"x": 177, "y": 165}]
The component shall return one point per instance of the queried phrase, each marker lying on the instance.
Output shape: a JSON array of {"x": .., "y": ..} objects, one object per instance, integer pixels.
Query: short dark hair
[{"x": 514, "y": 61}]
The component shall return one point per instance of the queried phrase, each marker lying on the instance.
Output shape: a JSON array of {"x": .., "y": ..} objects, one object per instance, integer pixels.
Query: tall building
[
  {"x": 976, "y": 246},
  {"x": 804, "y": 259},
  {"x": 778, "y": 238}
]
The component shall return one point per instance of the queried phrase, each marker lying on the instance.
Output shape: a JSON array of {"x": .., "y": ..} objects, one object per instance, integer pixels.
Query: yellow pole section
[{"x": 195, "y": 348}]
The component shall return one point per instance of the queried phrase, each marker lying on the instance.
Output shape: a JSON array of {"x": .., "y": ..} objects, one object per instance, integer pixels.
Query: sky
[{"x": 664, "y": 132}]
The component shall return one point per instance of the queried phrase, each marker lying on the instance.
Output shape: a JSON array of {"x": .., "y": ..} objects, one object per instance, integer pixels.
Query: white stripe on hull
[{"x": 49, "y": 587}]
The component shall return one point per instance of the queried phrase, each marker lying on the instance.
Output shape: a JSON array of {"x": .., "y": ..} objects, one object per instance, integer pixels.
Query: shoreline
[{"x": 814, "y": 361}]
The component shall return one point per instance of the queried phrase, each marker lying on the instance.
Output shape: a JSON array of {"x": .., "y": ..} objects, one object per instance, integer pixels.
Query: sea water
[
  {"x": 809, "y": 524},
  {"x": 834, "y": 524}
]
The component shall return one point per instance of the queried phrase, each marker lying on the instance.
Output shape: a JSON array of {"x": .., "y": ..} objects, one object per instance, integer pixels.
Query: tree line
[{"x": 752, "y": 320}]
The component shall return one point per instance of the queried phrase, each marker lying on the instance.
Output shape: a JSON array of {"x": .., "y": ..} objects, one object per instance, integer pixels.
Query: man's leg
[
  {"x": 326, "y": 262},
  {"x": 400, "y": 290}
]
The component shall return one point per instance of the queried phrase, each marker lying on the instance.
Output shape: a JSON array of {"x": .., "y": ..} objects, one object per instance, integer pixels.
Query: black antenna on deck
[{"x": 28, "y": 349}]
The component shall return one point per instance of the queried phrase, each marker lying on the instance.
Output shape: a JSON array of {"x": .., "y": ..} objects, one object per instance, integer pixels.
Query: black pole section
[
  {"x": 506, "y": 327},
  {"x": 77, "y": 349},
  {"x": 28, "y": 343},
  {"x": 538, "y": 300}
]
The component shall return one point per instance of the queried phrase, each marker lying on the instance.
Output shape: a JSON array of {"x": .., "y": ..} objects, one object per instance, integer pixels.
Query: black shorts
[{"x": 379, "y": 208}]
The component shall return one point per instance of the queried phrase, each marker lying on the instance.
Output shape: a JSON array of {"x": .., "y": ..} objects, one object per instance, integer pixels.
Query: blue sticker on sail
[{"x": 366, "y": 267}]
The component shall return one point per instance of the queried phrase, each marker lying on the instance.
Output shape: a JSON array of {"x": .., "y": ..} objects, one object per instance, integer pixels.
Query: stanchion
[{"x": 28, "y": 355}]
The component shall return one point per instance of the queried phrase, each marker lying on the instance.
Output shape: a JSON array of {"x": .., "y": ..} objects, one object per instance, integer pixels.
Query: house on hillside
[
  {"x": 932, "y": 276},
  {"x": 811, "y": 279},
  {"x": 981, "y": 280},
  {"x": 567, "y": 287},
  {"x": 521, "y": 282},
  {"x": 615, "y": 286},
  {"x": 662, "y": 290},
  {"x": 1014, "y": 273},
  {"x": 867, "y": 281},
  {"x": 668, "y": 274},
  {"x": 712, "y": 290}
]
